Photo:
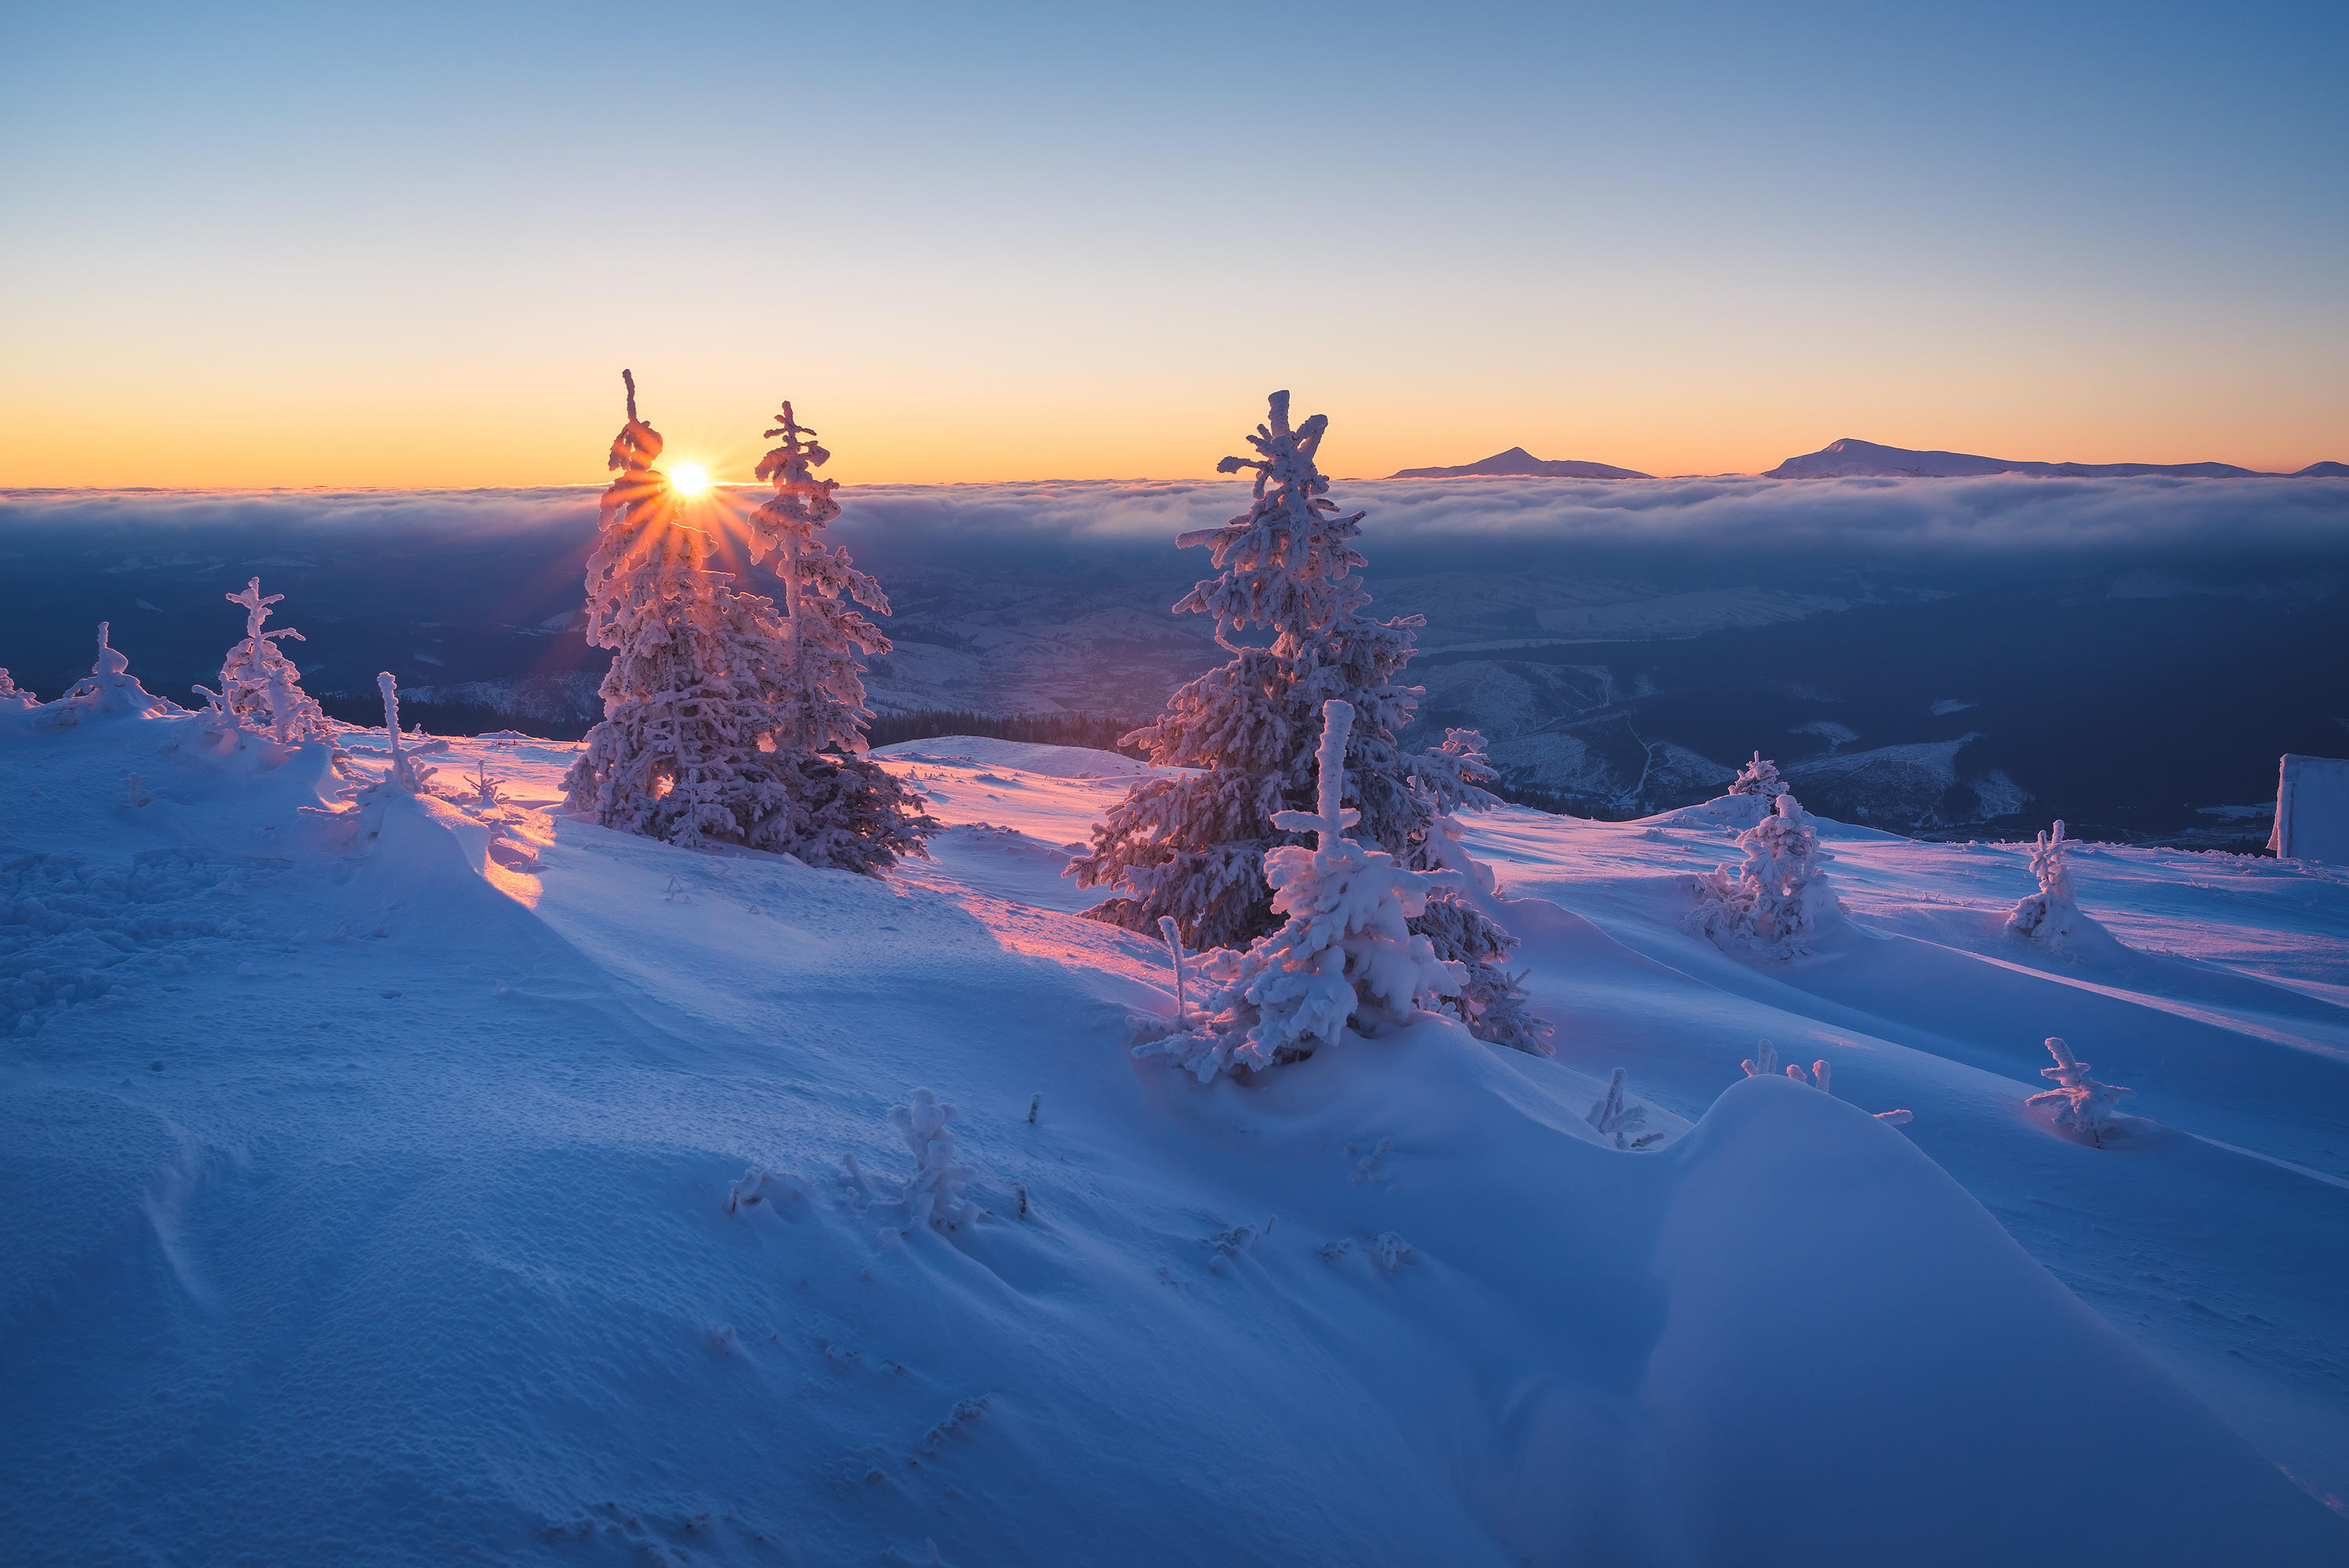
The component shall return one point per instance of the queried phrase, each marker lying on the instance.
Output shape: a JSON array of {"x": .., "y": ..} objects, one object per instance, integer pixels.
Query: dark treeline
[{"x": 1096, "y": 731}]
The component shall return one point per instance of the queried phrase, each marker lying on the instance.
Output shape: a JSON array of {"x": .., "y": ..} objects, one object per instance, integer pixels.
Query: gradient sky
[{"x": 412, "y": 245}]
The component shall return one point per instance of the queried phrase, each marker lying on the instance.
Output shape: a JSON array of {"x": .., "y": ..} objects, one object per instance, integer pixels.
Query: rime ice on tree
[
  {"x": 847, "y": 812},
  {"x": 1758, "y": 777},
  {"x": 260, "y": 686},
  {"x": 1194, "y": 847},
  {"x": 1345, "y": 954},
  {"x": 2080, "y": 1102},
  {"x": 694, "y": 745},
  {"x": 1779, "y": 898},
  {"x": 2051, "y": 914}
]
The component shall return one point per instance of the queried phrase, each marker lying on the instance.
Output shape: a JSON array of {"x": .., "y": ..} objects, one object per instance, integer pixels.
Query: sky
[{"x": 413, "y": 245}]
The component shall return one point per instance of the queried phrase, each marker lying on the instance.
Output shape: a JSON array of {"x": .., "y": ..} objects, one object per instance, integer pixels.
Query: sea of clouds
[{"x": 1411, "y": 524}]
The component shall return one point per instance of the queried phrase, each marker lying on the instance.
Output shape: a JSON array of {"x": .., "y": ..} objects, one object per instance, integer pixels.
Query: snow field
[{"x": 416, "y": 1248}]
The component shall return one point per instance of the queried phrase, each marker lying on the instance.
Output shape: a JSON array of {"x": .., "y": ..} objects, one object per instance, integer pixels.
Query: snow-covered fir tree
[
  {"x": 1345, "y": 953},
  {"x": 2052, "y": 914},
  {"x": 696, "y": 744},
  {"x": 14, "y": 695},
  {"x": 260, "y": 686},
  {"x": 1195, "y": 846},
  {"x": 848, "y": 810},
  {"x": 2080, "y": 1103},
  {"x": 1779, "y": 897},
  {"x": 1759, "y": 776}
]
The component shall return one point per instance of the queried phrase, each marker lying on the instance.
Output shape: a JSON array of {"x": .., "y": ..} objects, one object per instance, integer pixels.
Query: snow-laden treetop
[{"x": 1283, "y": 559}]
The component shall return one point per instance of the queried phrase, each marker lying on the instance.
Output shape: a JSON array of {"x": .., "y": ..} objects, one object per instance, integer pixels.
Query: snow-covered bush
[
  {"x": 1779, "y": 897},
  {"x": 2051, "y": 914},
  {"x": 406, "y": 773},
  {"x": 14, "y": 695},
  {"x": 2080, "y": 1103},
  {"x": 1758, "y": 777},
  {"x": 1345, "y": 953},
  {"x": 934, "y": 1192},
  {"x": 1619, "y": 1119},
  {"x": 1194, "y": 845},
  {"x": 260, "y": 686},
  {"x": 110, "y": 687}
]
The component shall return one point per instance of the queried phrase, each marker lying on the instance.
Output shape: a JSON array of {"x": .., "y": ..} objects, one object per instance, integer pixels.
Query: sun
[{"x": 688, "y": 478}]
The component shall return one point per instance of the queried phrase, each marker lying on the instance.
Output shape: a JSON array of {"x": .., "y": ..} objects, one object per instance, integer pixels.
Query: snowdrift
[{"x": 376, "y": 1209}]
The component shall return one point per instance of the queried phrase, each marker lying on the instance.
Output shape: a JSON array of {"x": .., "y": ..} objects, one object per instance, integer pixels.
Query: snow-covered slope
[{"x": 376, "y": 1190}]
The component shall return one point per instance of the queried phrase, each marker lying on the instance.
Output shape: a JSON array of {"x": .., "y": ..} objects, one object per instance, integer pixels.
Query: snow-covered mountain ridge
[
  {"x": 1849, "y": 458},
  {"x": 370, "y": 1180}
]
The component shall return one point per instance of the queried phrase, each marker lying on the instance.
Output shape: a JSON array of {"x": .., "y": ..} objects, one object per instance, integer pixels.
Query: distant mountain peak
[
  {"x": 1519, "y": 463},
  {"x": 1851, "y": 458}
]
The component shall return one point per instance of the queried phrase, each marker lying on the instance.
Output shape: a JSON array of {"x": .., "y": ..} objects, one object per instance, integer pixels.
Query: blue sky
[{"x": 290, "y": 245}]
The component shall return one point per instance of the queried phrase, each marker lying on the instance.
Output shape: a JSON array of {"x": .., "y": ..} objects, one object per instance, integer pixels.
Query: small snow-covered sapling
[
  {"x": 2053, "y": 912},
  {"x": 1758, "y": 777},
  {"x": 933, "y": 1194},
  {"x": 1621, "y": 1121},
  {"x": 1763, "y": 1062},
  {"x": 488, "y": 792},
  {"x": 2079, "y": 1101}
]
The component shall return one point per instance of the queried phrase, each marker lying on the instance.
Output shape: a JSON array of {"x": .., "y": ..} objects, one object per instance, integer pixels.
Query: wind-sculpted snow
[{"x": 409, "y": 1221}]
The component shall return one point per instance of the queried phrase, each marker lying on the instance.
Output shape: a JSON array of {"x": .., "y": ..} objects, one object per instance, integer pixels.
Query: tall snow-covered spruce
[
  {"x": 1195, "y": 846},
  {"x": 847, "y": 811},
  {"x": 699, "y": 744}
]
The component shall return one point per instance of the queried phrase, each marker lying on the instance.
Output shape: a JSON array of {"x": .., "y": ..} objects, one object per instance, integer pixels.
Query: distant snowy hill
[
  {"x": 1849, "y": 458},
  {"x": 415, "y": 1181},
  {"x": 1519, "y": 463}
]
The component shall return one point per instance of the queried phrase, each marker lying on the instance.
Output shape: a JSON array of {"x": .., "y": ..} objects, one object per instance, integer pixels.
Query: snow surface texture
[
  {"x": 373, "y": 1206},
  {"x": 2312, "y": 818}
]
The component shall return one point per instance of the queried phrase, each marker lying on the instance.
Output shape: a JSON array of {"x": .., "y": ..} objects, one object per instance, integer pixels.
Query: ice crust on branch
[
  {"x": 1289, "y": 607},
  {"x": 2079, "y": 1102},
  {"x": 2052, "y": 914},
  {"x": 708, "y": 737},
  {"x": 1758, "y": 777},
  {"x": 1778, "y": 898},
  {"x": 261, "y": 688},
  {"x": 1344, "y": 955}
]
